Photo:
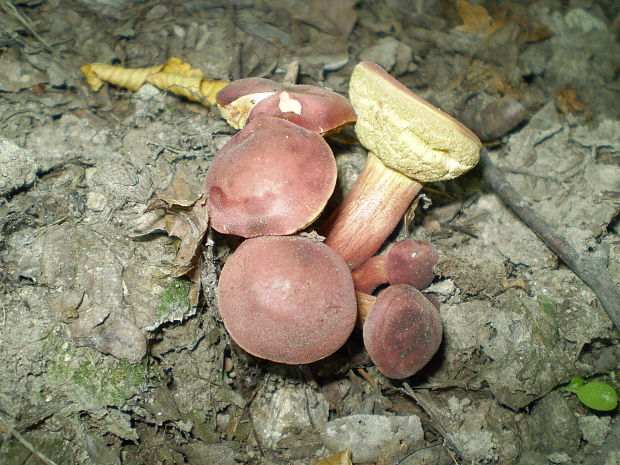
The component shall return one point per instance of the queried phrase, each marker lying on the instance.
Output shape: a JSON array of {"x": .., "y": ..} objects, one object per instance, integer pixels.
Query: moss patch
[
  {"x": 94, "y": 380},
  {"x": 547, "y": 306},
  {"x": 174, "y": 298}
]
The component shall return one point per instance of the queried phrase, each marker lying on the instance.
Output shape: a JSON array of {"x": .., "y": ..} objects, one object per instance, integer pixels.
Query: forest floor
[{"x": 109, "y": 357}]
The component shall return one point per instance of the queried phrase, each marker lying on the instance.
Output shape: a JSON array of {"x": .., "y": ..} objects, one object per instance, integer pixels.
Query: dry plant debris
[
  {"x": 339, "y": 458},
  {"x": 174, "y": 76}
]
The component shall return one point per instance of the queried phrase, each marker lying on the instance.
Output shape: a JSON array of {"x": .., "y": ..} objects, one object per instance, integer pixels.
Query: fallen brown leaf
[
  {"x": 179, "y": 212},
  {"x": 476, "y": 19},
  {"x": 339, "y": 458},
  {"x": 568, "y": 101},
  {"x": 187, "y": 222}
]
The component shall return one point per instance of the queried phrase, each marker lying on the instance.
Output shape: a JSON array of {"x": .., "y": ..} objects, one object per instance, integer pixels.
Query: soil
[{"x": 114, "y": 353}]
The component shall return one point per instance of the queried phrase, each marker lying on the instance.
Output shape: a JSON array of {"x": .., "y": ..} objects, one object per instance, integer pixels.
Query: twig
[
  {"x": 592, "y": 271},
  {"x": 424, "y": 400},
  {"x": 26, "y": 444}
]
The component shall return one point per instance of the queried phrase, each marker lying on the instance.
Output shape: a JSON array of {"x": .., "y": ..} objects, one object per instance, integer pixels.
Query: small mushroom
[
  {"x": 287, "y": 299},
  {"x": 273, "y": 177},
  {"x": 314, "y": 108},
  {"x": 237, "y": 99},
  {"x": 402, "y": 330},
  {"x": 311, "y": 107},
  {"x": 410, "y": 142},
  {"x": 408, "y": 261}
]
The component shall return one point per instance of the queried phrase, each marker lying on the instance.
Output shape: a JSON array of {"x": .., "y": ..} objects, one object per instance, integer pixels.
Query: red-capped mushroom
[
  {"x": 237, "y": 99},
  {"x": 408, "y": 261},
  {"x": 402, "y": 330},
  {"x": 410, "y": 142},
  {"x": 273, "y": 177},
  {"x": 314, "y": 108},
  {"x": 311, "y": 107},
  {"x": 287, "y": 299}
]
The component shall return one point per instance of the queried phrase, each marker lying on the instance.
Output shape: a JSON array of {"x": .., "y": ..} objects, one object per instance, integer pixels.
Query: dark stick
[{"x": 591, "y": 271}]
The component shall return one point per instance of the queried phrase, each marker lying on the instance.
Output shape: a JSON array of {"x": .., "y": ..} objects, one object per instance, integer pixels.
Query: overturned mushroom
[
  {"x": 410, "y": 142},
  {"x": 287, "y": 299},
  {"x": 273, "y": 177},
  {"x": 402, "y": 330},
  {"x": 408, "y": 261}
]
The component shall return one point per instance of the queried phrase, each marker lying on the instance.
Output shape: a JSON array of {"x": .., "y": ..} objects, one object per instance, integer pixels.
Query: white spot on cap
[{"x": 288, "y": 104}]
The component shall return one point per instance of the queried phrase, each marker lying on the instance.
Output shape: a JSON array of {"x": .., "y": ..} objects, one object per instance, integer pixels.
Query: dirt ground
[{"x": 108, "y": 358}]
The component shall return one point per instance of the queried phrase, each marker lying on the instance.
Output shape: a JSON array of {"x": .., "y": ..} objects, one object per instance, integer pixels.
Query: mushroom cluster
[
  {"x": 282, "y": 297},
  {"x": 293, "y": 299},
  {"x": 401, "y": 327}
]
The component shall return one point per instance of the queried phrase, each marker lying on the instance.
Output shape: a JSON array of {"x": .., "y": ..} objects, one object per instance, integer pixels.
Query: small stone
[
  {"x": 390, "y": 54},
  {"x": 366, "y": 435},
  {"x": 278, "y": 412},
  {"x": 559, "y": 457},
  {"x": 594, "y": 429}
]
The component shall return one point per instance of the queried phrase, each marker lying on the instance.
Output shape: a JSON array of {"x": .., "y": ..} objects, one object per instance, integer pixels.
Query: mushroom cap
[
  {"x": 402, "y": 331},
  {"x": 237, "y": 99},
  {"x": 273, "y": 177},
  {"x": 311, "y": 107},
  {"x": 406, "y": 132},
  {"x": 242, "y": 87},
  {"x": 287, "y": 299},
  {"x": 411, "y": 261}
]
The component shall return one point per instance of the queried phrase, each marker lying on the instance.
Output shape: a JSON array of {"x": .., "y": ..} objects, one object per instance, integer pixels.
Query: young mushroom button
[
  {"x": 402, "y": 330},
  {"x": 287, "y": 299},
  {"x": 410, "y": 142},
  {"x": 408, "y": 261},
  {"x": 272, "y": 177}
]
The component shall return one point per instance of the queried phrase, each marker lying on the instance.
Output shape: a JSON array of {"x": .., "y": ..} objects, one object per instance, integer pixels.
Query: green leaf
[
  {"x": 574, "y": 384},
  {"x": 597, "y": 396}
]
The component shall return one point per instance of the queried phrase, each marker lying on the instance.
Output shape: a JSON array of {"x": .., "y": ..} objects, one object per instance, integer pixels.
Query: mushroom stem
[
  {"x": 364, "y": 304},
  {"x": 370, "y": 275},
  {"x": 370, "y": 212}
]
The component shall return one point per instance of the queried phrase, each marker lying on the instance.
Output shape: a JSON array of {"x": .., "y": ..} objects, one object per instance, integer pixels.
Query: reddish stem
[
  {"x": 370, "y": 275},
  {"x": 364, "y": 305},
  {"x": 370, "y": 212}
]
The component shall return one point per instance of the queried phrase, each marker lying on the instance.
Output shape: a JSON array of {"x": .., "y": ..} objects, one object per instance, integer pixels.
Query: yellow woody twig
[
  {"x": 175, "y": 76},
  {"x": 129, "y": 78}
]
